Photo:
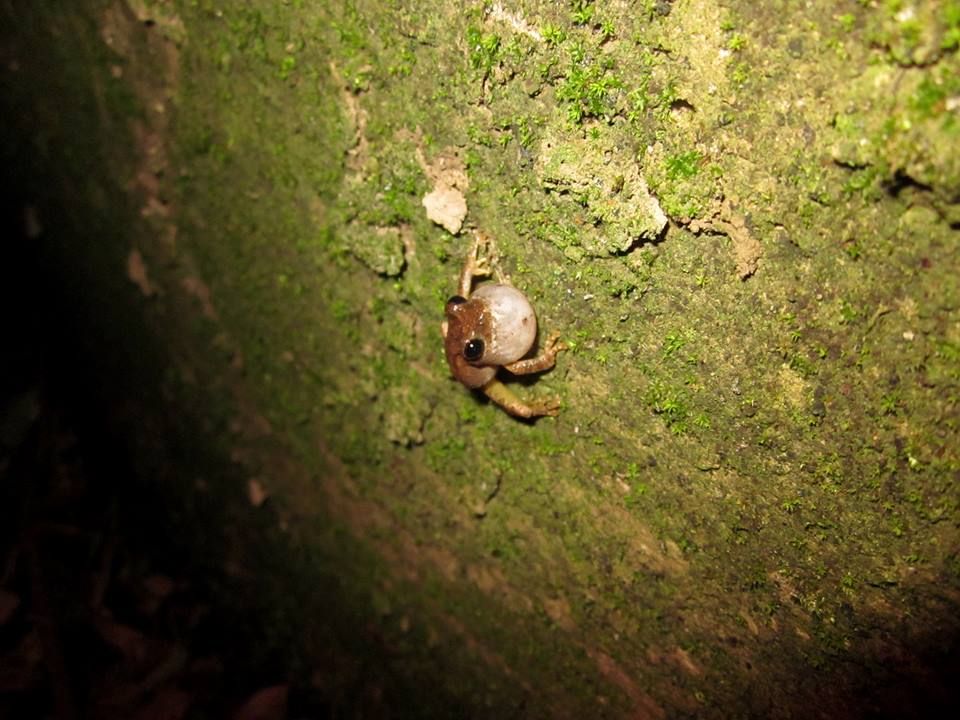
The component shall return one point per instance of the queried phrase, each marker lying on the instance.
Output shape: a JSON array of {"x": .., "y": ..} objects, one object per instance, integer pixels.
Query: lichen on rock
[
  {"x": 445, "y": 203},
  {"x": 608, "y": 183}
]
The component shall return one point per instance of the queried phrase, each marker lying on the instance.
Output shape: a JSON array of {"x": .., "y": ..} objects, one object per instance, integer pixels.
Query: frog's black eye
[
  {"x": 456, "y": 300},
  {"x": 473, "y": 350}
]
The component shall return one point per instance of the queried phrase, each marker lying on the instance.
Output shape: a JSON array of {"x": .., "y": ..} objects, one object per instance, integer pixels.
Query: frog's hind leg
[{"x": 504, "y": 397}]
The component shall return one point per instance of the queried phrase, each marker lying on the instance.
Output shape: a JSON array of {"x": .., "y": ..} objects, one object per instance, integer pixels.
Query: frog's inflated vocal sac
[{"x": 491, "y": 327}]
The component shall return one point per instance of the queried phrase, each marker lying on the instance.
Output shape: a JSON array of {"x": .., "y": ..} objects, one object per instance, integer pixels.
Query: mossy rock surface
[{"x": 749, "y": 501}]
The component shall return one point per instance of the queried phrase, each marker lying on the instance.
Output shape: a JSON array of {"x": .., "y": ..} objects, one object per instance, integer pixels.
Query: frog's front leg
[
  {"x": 502, "y": 396},
  {"x": 544, "y": 361}
]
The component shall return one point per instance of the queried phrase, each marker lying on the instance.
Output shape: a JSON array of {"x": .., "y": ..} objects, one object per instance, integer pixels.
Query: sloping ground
[{"x": 749, "y": 502}]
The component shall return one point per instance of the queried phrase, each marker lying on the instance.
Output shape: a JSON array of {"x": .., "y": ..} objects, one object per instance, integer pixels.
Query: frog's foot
[
  {"x": 544, "y": 406},
  {"x": 481, "y": 262},
  {"x": 483, "y": 255},
  {"x": 554, "y": 345}
]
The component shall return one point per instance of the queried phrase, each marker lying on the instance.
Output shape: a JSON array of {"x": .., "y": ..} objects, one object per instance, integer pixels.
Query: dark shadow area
[
  {"x": 134, "y": 581},
  {"x": 103, "y": 614}
]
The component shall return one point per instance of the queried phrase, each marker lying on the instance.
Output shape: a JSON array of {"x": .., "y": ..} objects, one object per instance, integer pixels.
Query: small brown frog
[{"x": 493, "y": 327}]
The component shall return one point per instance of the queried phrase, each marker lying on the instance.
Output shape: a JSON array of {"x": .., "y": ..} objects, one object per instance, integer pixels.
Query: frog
[{"x": 493, "y": 327}]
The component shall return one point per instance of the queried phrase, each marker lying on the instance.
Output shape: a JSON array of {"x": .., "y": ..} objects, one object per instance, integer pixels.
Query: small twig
[
  {"x": 878, "y": 313},
  {"x": 493, "y": 493}
]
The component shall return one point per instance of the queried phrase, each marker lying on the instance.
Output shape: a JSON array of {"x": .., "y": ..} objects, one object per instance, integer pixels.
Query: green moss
[
  {"x": 951, "y": 22},
  {"x": 847, "y": 21},
  {"x": 553, "y": 36},
  {"x": 682, "y": 166},
  {"x": 589, "y": 92},
  {"x": 484, "y": 49}
]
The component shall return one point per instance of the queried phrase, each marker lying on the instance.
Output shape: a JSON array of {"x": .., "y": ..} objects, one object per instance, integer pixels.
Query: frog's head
[{"x": 467, "y": 338}]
